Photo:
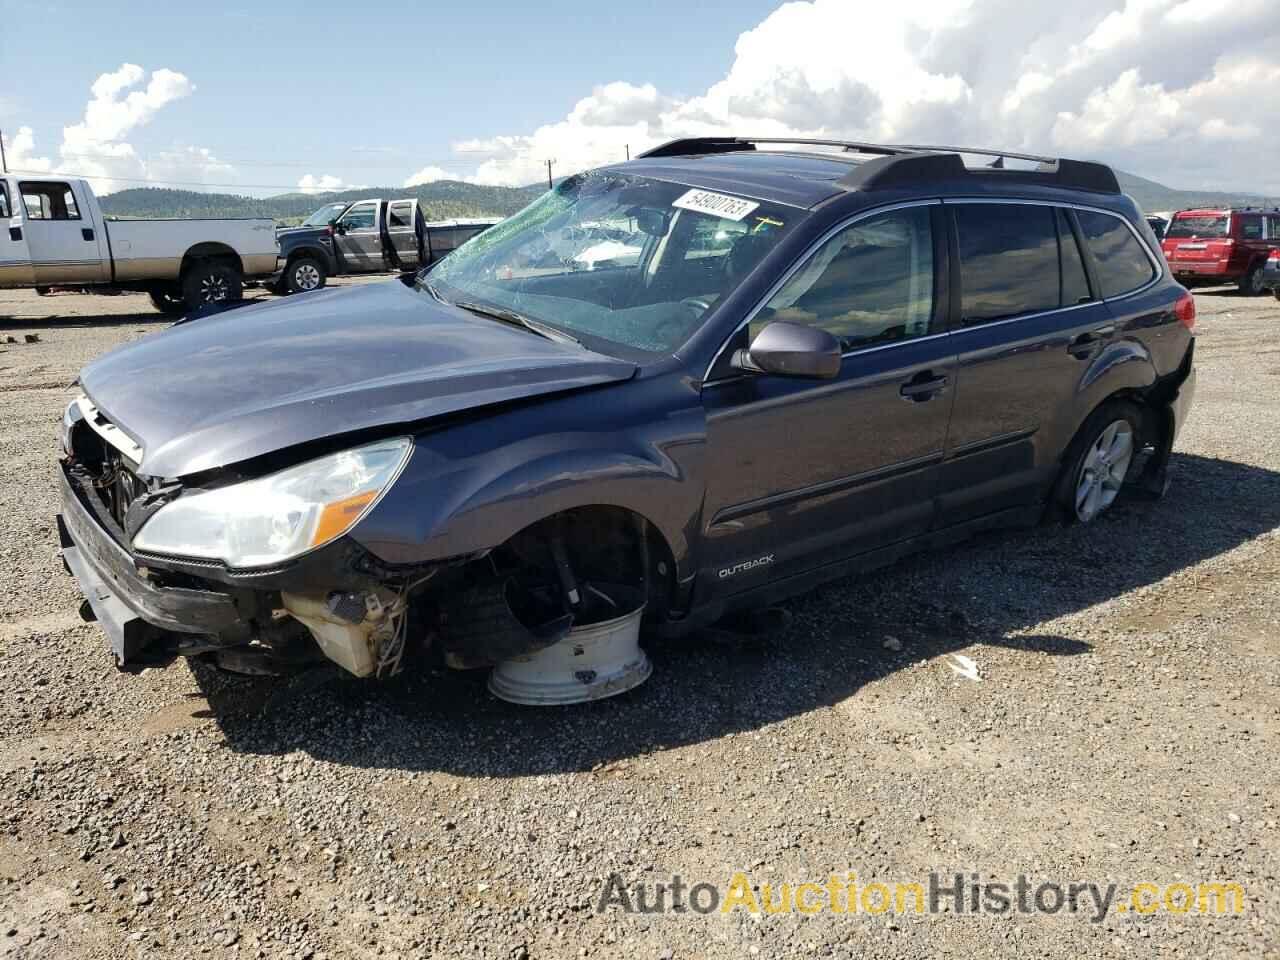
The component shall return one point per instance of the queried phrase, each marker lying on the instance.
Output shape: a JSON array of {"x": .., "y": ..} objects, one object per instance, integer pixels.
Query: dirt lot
[{"x": 1124, "y": 728}]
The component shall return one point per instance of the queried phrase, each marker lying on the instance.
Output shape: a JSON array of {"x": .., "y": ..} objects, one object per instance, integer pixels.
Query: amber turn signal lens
[{"x": 337, "y": 517}]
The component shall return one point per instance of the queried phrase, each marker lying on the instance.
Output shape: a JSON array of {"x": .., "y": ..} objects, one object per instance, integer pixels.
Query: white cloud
[
  {"x": 429, "y": 174},
  {"x": 325, "y": 183},
  {"x": 98, "y": 147},
  {"x": 1158, "y": 87},
  {"x": 20, "y": 151}
]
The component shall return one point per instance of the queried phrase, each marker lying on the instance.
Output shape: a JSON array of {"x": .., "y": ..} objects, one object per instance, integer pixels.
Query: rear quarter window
[{"x": 1122, "y": 262}]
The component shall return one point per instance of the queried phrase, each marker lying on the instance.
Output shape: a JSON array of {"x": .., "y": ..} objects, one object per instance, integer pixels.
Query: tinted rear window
[
  {"x": 1008, "y": 260},
  {"x": 1206, "y": 226},
  {"x": 1122, "y": 262},
  {"x": 1251, "y": 228}
]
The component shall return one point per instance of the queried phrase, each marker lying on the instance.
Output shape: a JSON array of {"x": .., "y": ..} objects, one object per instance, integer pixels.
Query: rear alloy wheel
[
  {"x": 304, "y": 274},
  {"x": 1098, "y": 462},
  {"x": 211, "y": 282},
  {"x": 1251, "y": 282},
  {"x": 1103, "y": 470}
]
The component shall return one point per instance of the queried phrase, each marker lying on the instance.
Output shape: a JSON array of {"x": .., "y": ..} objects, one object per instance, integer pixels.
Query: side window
[
  {"x": 49, "y": 201},
  {"x": 4, "y": 202},
  {"x": 1008, "y": 261},
  {"x": 1273, "y": 227},
  {"x": 871, "y": 283},
  {"x": 362, "y": 216},
  {"x": 1251, "y": 228},
  {"x": 400, "y": 216},
  {"x": 1075, "y": 282},
  {"x": 1122, "y": 262}
]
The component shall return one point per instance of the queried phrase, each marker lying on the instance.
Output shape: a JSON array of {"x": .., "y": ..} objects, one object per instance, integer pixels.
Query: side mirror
[
  {"x": 339, "y": 228},
  {"x": 791, "y": 350}
]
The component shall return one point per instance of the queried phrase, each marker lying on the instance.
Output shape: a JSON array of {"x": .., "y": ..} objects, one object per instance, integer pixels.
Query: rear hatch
[{"x": 1199, "y": 240}]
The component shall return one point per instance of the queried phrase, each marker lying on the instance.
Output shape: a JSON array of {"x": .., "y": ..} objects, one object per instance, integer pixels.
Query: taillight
[{"x": 1185, "y": 311}]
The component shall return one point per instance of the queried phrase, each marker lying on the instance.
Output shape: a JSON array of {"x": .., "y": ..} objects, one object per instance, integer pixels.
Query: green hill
[
  {"x": 442, "y": 200},
  {"x": 451, "y": 198},
  {"x": 1152, "y": 196}
]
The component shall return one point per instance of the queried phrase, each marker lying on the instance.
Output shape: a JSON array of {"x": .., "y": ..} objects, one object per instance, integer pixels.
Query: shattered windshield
[
  {"x": 1200, "y": 226},
  {"x": 627, "y": 259},
  {"x": 325, "y": 215}
]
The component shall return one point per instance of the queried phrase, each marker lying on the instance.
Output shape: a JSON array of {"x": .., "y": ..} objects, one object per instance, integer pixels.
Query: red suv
[{"x": 1213, "y": 247}]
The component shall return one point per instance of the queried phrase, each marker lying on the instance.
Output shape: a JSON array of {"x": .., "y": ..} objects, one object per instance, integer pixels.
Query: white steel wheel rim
[
  {"x": 1103, "y": 471},
  {"x": 306, "y": 277}
]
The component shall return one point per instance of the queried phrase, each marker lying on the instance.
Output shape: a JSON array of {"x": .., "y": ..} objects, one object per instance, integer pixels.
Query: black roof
[{"x": 804, "y": 178}]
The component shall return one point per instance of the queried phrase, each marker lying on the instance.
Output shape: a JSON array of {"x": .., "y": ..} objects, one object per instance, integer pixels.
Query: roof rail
[
  {"x": 898, "y": 165},
  {"x": 693, "y": 146}
]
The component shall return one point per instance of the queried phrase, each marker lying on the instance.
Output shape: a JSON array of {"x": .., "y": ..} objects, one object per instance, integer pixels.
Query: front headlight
[{"x": 280, "y": 516}]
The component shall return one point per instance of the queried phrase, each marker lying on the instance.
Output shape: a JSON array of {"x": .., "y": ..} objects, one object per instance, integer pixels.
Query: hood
[
  {"x": 300, "y": 231},
  {"x": 236, "y": 385}
]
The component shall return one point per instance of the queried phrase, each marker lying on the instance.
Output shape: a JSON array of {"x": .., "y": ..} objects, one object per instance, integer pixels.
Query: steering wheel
[{"x": 697, "y": 303}]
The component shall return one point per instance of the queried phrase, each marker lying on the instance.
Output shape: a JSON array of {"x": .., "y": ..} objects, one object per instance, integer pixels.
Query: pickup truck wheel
[
  {"x": 211, "y": 282},
  {"x": 1251, "y": 282},
  {"x": 168, "y": 301},
  {"x": 304, "y": 274}
]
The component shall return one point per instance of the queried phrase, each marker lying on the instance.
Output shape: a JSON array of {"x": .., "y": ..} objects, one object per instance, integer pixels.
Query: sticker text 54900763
[{"x": 716, "y": 204}]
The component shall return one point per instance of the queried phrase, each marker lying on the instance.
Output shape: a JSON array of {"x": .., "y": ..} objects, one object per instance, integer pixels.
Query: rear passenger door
[
  {"x": 403, "y": 234},
  {"x": 1026, "y": 320}
]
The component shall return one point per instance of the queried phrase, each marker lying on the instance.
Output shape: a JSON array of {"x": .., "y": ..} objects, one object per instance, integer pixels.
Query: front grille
[
  {"x": 119, "y": 486},
  {"x": 109, "y": 473}
]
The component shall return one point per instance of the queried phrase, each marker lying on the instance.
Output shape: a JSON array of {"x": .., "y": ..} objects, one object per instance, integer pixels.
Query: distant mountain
[
  {"x": 1152, "y": 196},
  {"x": 442, "y": 200},
  {"x": 451, "y": 198}
]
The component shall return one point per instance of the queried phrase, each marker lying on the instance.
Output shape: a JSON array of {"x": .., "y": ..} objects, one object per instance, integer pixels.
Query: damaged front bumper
[
  {"x": 133, "y": 612},
  {"x": 155, "y": 609}
]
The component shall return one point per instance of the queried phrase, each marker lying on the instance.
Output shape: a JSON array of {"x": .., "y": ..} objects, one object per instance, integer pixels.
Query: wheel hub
[
  {"x": 306, "y": 277},
  {"x": 213, "y": 289}
]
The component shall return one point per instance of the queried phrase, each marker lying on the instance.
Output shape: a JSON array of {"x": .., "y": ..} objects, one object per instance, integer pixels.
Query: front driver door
[
  {"x": 15, "y": 259},
  {"x": 357, "y": 238},
  {"x": 804, "y": 473}
]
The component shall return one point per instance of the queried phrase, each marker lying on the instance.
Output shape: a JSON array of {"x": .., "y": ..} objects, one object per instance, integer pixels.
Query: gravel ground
[{"x": 1124, "y": 728}]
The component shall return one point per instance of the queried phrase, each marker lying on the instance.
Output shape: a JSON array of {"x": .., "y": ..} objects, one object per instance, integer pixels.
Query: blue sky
[
  {"x": 368, "y": 92},
  {"x": 275, "y": 96}
]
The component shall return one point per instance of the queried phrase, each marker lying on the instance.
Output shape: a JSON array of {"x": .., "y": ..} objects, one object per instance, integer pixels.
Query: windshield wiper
[{"x": 517, "y": 320}]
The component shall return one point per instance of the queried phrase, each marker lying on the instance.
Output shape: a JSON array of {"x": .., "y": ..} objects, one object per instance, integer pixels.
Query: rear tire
[
  {"x": 304, "y": 275},
  {"x": 211, "y": 281},
  {"x": 1098, "y": 462},
  {"x": 1251, "y": 283}
]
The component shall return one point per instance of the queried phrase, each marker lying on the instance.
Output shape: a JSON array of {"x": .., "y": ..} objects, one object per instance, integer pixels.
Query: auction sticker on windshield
[{"x": 716, "y": 204}]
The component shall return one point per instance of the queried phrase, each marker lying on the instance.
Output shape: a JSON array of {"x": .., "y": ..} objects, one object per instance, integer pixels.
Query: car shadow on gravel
[{"x": 1004, "y": 590}]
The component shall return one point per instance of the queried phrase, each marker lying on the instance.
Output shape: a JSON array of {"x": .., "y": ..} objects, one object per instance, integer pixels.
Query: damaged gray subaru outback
[{"x": 673, "y": 388}]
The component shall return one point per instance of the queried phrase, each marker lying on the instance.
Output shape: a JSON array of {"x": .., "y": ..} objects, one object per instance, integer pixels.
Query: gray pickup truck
[{"x": 365, "y": 236}]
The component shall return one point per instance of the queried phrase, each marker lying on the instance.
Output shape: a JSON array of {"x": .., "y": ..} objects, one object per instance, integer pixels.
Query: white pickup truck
[{"x": 53, "y": 234}]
